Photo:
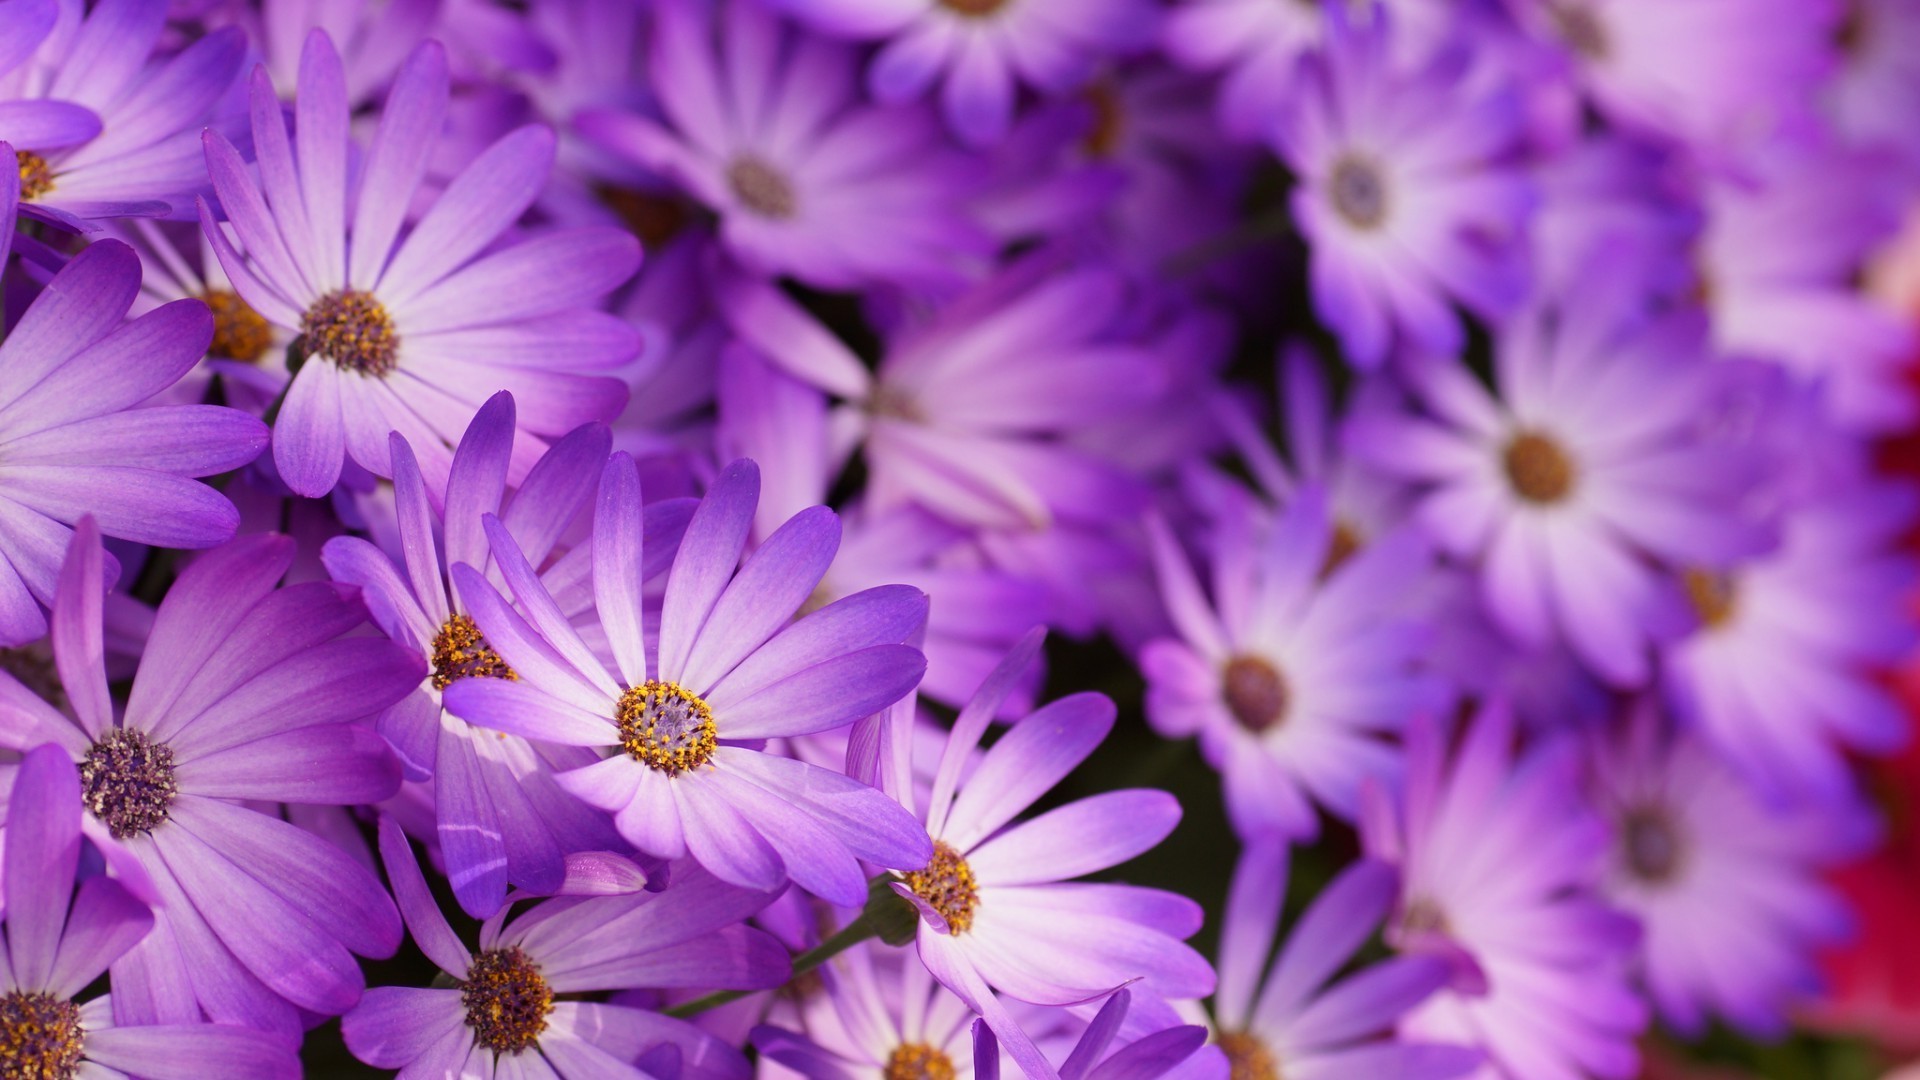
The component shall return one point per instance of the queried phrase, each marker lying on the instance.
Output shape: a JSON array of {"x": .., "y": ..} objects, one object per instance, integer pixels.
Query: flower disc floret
[
  {"x": 918, "y": 1061},
  {"x": 239, "y": 332},
  {"x": 1247, "y": 1057},
  {"x": 948, "y": 886},
  {"x": 460, "y": 651},
  {"x": 1712, "y": 596},
  {"x": 1358, "y": 191},
  {"x": 1651, "y": 845},
  {"x": 41, "y": 1037},
  {"x": 127, "y": 781},
  {"x": 1538, "y": 468},
  {"x": 762, "y": 188},
  {"x": 1255, "y": 692},
  {"x": 507, "y": 1000},
  {"x": 354, "y": 331},
  {"x": 666, "y": 727},
  {"x": 36, "y": 176},
  {"x": 974, "y": 9}
]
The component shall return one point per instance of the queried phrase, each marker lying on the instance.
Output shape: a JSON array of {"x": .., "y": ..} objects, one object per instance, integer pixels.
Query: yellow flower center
[
  {"x": 239, "y": 332},
  {"x": 461, "y": 652},
  {"x": 918, "y": 1061},
  {"x": 507, "y": 1000},
  {"x": 666, "y": 728},
  {"x": 948, "y": 886},
  {"x": 351, "y": 329},
  {"x": 41, "y": 1037},
  {"x": 1712, "y": 596},
  {"x": 36, "y": 177},
  {"x": 1247, "y": 1057}
]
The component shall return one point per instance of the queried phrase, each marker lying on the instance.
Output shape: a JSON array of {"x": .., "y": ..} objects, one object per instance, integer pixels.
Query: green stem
[{"x": 886, "y": 917}]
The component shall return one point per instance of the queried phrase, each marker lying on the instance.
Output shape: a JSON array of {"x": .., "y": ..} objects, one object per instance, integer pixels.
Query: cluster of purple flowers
[{"x": 579, "y": 491}]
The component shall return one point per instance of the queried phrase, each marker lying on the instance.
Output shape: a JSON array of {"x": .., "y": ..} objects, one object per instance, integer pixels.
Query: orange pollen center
[
  {"x": 1247, "y": 1057},
  {"x": 354, "y": 331},
  {"x": 1538, "y": 469},
  {"x": 918, "y": 1061},
  {"x": 36, "y": 177},
  {"x": 460, "y": 651},
  {"x": 948, "y": 886},
  {"x": 666, "y": 728},
  {"x": 239, "y": 332}
]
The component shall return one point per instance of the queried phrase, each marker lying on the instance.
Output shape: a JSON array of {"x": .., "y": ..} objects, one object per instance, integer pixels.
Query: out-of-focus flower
[
  {"x": 245, "y": 694},
  {"x": 412, "y": 334},
  {"x": 1726, "y": 887},
  {"x": 998, "y": 904},
  {"x": 1287, "y": 1017},
  {"x": 58, "y": 941},
  {"x": 683, "y": 724},
  {"x": 72, "y": 372},
  {"x": 982, "y": 51},
  {"x": 501, "y": 818},
  {"x": 1408, "y": 196},
  {"x": 1499, "y": 860},
  {"x": 101, "y": 125},
  {"x": 1595, "y": 459},
  {"x": 1300, "y": 667},
  {"x": 1879, "y": 71},
  {"x": 505, "y": 1016},
  {"x": 764, "y": 125}
]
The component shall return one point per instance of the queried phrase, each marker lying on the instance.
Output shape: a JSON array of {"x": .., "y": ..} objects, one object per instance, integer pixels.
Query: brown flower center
[
  {"x": 761, "y": 188},
  {"x": 507, "y": 1000},
  {"x": 1538, "y": 469},
  {"x": 126, "y": 779},
  {"x": 1582, "y": 30},
  {"x": 948, "y": 886},
  {"x": 36, "y": 176},
  {"x": 40, "y": 1037},
  {"x": 461, "y": 652},
  {"x": 1255, "y": 692},
  {"x": 655, "y": 219},
  {"x": 974, "y": 9},
  {"x": 351, "y": 329},
  {"x": 1109, "y": 121},
  {"x": 1346, "y": 544},
  {"x": 1358, "y": 191},
  {"x": 918, "y": 1061},
  {"x": 666, "y": 728},
  {"x": 239, "y": 332},
  {"x": 1423, "y": 916},
  {"x": 1712, "y": 596},
  {"x": 1650, "y": 845},
  {"x": 1247, "y": 1057}
]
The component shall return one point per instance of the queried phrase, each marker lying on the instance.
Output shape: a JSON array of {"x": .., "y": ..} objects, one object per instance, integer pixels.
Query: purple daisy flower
[
  {"x": 501, "y": 819},
  {"x": 502, "y": 1018},
  {"x": 1780, "y": 675},
  {"x": 1289, "y": 1021},
  {"x": 681, "y": 724},
  {"x": 999, "y": 907},
  {"x": 1499, "y": 859},
  {"x": 982, "y": 51},
  {"x": 58, "y": 940},
  {"x": 410, "y": 334},
  {"x": 101, "y": 129},
  {"x": 1301, "y": 667},
  {"x": 72, "y": 371},
  {"x": 1257, "y": 45},
  {"x": 763, "y": 124},
  {"x": 1591, "y": 464},
  {"x": 1406, "y": 196},
  {"x": 244, "y": 695},
  {"x": 1727, "y": 888}
]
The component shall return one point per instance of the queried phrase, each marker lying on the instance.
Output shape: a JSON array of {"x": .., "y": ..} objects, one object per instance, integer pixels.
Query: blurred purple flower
[
  {"x": 411, "y": 336},
  {"x": 683, "y": 724}
]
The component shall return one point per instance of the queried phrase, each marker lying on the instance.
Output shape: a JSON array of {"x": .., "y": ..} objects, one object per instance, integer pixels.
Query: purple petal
[
  {"x": 79, "y": 645},
  {"x": 23, "y": 26},
  {"x": 210, "y": 597},
  {"x": 85, "y": 301},
  {"x": 554, "y": 626},
  {"x": 553, "y": 272},
  {"x": 870, "y": 823},
  {"x": 489, "y": 195},
  {"x": 724, "y": 842},
  {"x": 948, "y": 962},
  {"x": 468, "y": 825},
  {"x": 320, "y": 147},
  {"x": 617, "y": 562},
  {"x": 809, "y": 1059},
  {"x": 1247, "y": 931},
  {"x": 477, "y": 480},
  {"x": 762, "y": 598},
  {"x": 1026, "y": 763},
  {"x": 972, "y": 724},
  {"x": 397, "y": 1026},
  {"x": 417, "y": 906},
  {"x": 41, "y": 857},
  {"x": 814, "y": 858},
  {"x": 1081, "y": 837},
  {"x": 414, "y": 516},
  {"x": 333, "y": 764},
  {"x": 715, "y": 537},
  {"x": 194, "y": 1052},
  {"x": 887, "y": 615},
  {"x": 107, "y": 920},
  {"x": 827, "y": 695},
  {"x": 310, "y": 435},
  {"x": 1343, "y": 916},
  {"x": 559, "y": 484},
  {"x": 526, "y": 711},
  {"x": 1372, "y": 1000},
  {"x": 325, "y": 684},
  {"x": 47, "y": 125},
  {"x": 188, "y": 440},
  {"x": 410, "y": 126}
]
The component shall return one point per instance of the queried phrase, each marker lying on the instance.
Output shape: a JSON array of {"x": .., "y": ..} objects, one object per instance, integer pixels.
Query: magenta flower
[
  {"x": 999, "y": 908},
  {"x": 504, "y": 1017},
  {"x": 1499, "y": 859},
  {"x": 681, "y": 720},
  {"x": 762, "y": 123},
  {"x": 410, "y": 334},
  {"x": 72, "y": 371},
  {"x": 1299, "y": 669},
  {"x": 501, "y": 818},
  {"x": 102, "y": 124},
  {"x": 245, "y": 695},
  {"x": 59, "y": 940},
  {"x": 1288, "y": 1016},
  {"x": 1407, "y": 198}
]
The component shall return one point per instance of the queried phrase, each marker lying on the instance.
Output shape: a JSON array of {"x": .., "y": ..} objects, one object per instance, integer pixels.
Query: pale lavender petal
[
  {"x": 1081, "y": 837},
  {"x": 1026, "y": 763},
  {"x": 487, "y": 197},
  {"x": 715, "y": 537},
  {"x": 42, "y": 853},
  {"x": 79, "y": 643},
  {"x": 886, "y": 615},
  {"x": 334, "y": 764},
  {"x": 396, "y": 1026},
  {"x": 310, "y": 435},
  {"x": 972, "y": 724},
  {"x": 477, "y": 479},
  {"x": 417, "y": 906},
  {"x": 468, "y": 823},
  {"x": 523, "y": 710},
  {"x": 320, "y": 146},
  {"x": 723, "y": 841},
  {"x": 761, "y": 599},
  {"x": 410, "y": 125},
  {"x": 869, "y": 822},
  {"x": 617, "y": 562}
]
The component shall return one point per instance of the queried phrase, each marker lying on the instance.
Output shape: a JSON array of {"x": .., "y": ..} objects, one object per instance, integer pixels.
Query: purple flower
[
  {"x": 1256, "y": 44},
  {"x": 1594, "y": 461},
  {"x": 1879, "y": 40},
  {"x": 244, "y": 695},
  {"x": 1405, "y": 198},
  {"x": 71, "y": 372},
  {"x": 982, "y": 51},
  {"x": 1727, "y": 888},
  {"x": 1288, "y": 1020},
  {"x": 412, "y": 334},
  {"x": 1300, "y": 667},
  {"x": 999, "y": 907},
  {"x": 681, "y": 724},
  {"x": 1499, "y": 859},
  {"x": 1779, "y": 677},
  {"x": 763, "y": 124},
  {"x": 504, "y": 1016},
  {"x": 99, "y": 128},
  {"x": 501, "y": 818},
  {"x": 1103, "y": 1052},
  {"x": 59, "y": 940}
]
